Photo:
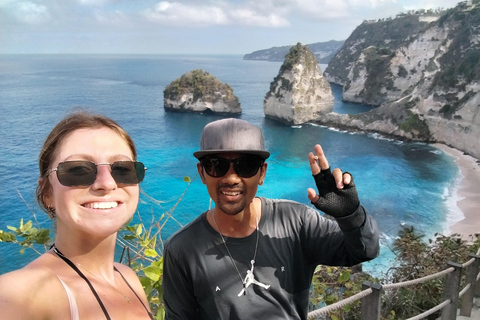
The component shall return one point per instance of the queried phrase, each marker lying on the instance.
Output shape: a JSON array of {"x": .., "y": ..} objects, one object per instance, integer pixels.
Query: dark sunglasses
[
  {"x": 245, "y": 167},
  {"x": 84, "y": 173}
]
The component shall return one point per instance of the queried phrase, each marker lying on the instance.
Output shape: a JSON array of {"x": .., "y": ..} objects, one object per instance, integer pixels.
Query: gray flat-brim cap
[{"x": 231, "y": 135}]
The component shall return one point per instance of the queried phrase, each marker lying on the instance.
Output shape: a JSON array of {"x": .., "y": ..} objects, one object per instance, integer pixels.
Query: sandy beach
[{"x": 468, "y": 193}]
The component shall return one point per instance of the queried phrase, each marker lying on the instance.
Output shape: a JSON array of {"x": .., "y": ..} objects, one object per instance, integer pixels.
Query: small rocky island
[
  {"x": 299, "y": 93},
  {"x": 199, "y": 91}
]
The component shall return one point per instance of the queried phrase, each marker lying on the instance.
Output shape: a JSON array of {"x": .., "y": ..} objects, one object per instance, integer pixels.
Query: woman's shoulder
[
  {"x": 30, "y": 292},
  {"x": 132, "y": 278},
  {"x": 125, "y": 270},
  {"x": 34, "y": 276},
  {"x": 129, "y": 275}
]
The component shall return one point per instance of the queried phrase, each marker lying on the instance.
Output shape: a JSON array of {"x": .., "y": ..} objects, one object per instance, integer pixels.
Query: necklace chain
[
  {"x": 244, "y": 280},
  {"x": 123, "y": 294},
  {"x": 105, "y": 281}
]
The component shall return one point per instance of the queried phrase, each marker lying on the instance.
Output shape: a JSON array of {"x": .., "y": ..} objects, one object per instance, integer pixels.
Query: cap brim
[{"x": 260, "y": 153}]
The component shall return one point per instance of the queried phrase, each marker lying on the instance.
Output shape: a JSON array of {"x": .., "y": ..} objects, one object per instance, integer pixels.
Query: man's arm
[{"x": 355, "y": 236}]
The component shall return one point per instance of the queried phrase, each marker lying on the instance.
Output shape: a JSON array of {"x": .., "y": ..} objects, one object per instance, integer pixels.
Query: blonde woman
[{"x": 89, "y": 183}]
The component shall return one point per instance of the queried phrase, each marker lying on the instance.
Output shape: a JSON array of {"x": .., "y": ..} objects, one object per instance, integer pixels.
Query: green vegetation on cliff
[
  {"x": 377, "y": 61},
  {"x": 386, "y": 34},
  {"x": 297, "y": 54},
  {"x": 202, "y": 85},
  {"x": 461, "y": 63}
]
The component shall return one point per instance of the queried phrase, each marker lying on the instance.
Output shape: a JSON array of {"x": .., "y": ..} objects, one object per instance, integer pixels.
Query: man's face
[{"x": 231, "y": 192}]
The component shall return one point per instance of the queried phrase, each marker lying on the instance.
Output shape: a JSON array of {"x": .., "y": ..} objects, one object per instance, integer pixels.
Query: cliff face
[
  {"x": 385, "y": 35},
  {"x": 427, "y": 83},
  {"x": 198, "y": 91},
  {"x": 299, "y": 92},
  {"x": 323, "y": 51}
]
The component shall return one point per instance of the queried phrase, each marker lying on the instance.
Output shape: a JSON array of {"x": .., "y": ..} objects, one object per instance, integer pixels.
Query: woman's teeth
[{"x": 102, "y": 205}]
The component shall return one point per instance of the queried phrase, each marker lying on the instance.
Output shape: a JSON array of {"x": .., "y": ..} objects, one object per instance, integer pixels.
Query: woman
[{"x": 89, "y": 182}]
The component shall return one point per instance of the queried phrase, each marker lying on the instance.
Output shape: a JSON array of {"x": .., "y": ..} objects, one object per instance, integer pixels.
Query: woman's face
[{"x": 103, "y": 207}]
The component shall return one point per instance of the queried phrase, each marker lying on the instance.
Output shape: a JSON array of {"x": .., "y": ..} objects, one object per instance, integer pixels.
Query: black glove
[{"x": 335, "y": 202}]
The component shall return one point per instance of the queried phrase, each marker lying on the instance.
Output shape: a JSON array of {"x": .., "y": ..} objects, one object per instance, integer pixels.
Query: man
[{"x": 254, "y": 258}]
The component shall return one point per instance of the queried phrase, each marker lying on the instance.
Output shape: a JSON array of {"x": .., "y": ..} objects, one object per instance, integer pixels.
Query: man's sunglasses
[
  {"x": 245, "y": 167},
  {"x": 84, "y": 173}
]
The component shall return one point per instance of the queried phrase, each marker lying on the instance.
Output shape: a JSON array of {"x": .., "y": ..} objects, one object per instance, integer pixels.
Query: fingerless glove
[{"x": 333, "y": 201}]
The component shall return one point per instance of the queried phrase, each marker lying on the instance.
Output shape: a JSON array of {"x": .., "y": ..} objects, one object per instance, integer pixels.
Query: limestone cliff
[
  {"x": 198, "y": 91},
  {"x": 427, "y": 83},
  {"x": 299, "y": 92}
]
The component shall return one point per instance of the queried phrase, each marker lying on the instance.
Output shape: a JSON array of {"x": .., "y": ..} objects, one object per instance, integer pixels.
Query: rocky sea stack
[
  {"x": 199, "y": 91},
  {"x": 299, "y": 93}
]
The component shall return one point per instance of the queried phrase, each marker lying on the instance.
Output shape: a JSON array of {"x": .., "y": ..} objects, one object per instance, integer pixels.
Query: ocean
[{"x": 400, "y": 183}]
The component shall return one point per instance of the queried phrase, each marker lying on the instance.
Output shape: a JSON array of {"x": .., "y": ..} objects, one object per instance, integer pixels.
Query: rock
[
  {"x": 299, "y": 93},
  {"x": 423, "y": 71},
  {"x": 198, "y": 91}
]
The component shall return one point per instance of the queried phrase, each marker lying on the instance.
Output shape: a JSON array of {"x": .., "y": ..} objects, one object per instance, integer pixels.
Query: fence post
[
  {"x": 470, "y": 279},
  {"x": 452, "y": 288},
  {"x": 476, "y": 289},
  {"x": 371, "y": 304}
]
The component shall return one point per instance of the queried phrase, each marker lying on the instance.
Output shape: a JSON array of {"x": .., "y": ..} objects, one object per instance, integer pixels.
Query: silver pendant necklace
[{"x": 249, "y": 278}]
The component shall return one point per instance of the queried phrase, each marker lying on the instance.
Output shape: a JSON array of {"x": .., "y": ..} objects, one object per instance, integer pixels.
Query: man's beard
[{"x": 231, "y": 208}]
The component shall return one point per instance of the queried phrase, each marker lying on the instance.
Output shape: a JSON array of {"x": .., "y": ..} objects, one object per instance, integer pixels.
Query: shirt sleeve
[{"x": 346, "y": 241}]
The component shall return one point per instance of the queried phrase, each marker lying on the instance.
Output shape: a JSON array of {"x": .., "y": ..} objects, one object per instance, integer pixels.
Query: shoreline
[{"x": 466, "y": 195}]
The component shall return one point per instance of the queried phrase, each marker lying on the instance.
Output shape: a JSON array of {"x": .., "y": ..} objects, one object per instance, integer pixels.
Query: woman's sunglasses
[
  {"x": 84, "y": 173},
  {"x": 245, "y": 167}
]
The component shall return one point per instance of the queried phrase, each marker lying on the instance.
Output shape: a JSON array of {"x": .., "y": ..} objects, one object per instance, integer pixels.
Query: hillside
[
  {"x": 323, "y": 51},
  {"x": 424, "y": 74}
]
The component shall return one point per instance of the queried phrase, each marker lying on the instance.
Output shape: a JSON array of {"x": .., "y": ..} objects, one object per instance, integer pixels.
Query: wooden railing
[{"x": 371, "y": 294}]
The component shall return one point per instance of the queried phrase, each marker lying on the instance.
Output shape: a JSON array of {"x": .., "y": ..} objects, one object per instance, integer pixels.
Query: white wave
[
  {"x": 378, "y": 136},
  {"x": 451, "y": 197},
  {"x": 296, "y": 127},
  {"x": 335, "y": 129},
  {"x": 385, "y": 236}
]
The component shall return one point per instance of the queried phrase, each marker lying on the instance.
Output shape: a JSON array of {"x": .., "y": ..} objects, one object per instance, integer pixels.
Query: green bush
[
  {"x": 415, "y": 259},
  {"x": 202, "y": 84}
]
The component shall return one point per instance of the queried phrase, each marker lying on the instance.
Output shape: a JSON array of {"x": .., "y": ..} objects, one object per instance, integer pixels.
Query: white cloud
[
  {"x": 174, "y": 13},
  {"x": 333, "y": 9},
  {"x": 430, "y": 4},
  {"x": 115, "y": 18},
  {"x": 252, "y": 18},
  {"x": 93, "y": 2},
  {"x": 29, "y": 12},
  {"x": 4, "y": 3},
  {"x": 213, "y": 13}
]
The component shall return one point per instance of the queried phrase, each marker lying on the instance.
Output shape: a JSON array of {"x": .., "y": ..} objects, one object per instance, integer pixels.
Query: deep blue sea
[{"x": 399, "y": 183}]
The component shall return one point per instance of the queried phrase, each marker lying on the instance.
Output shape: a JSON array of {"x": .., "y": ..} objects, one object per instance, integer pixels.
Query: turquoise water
[{"x": 398, "y": 182}]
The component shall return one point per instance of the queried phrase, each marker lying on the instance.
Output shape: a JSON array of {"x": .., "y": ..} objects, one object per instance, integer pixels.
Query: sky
[{"x": 185, "y": 26}]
